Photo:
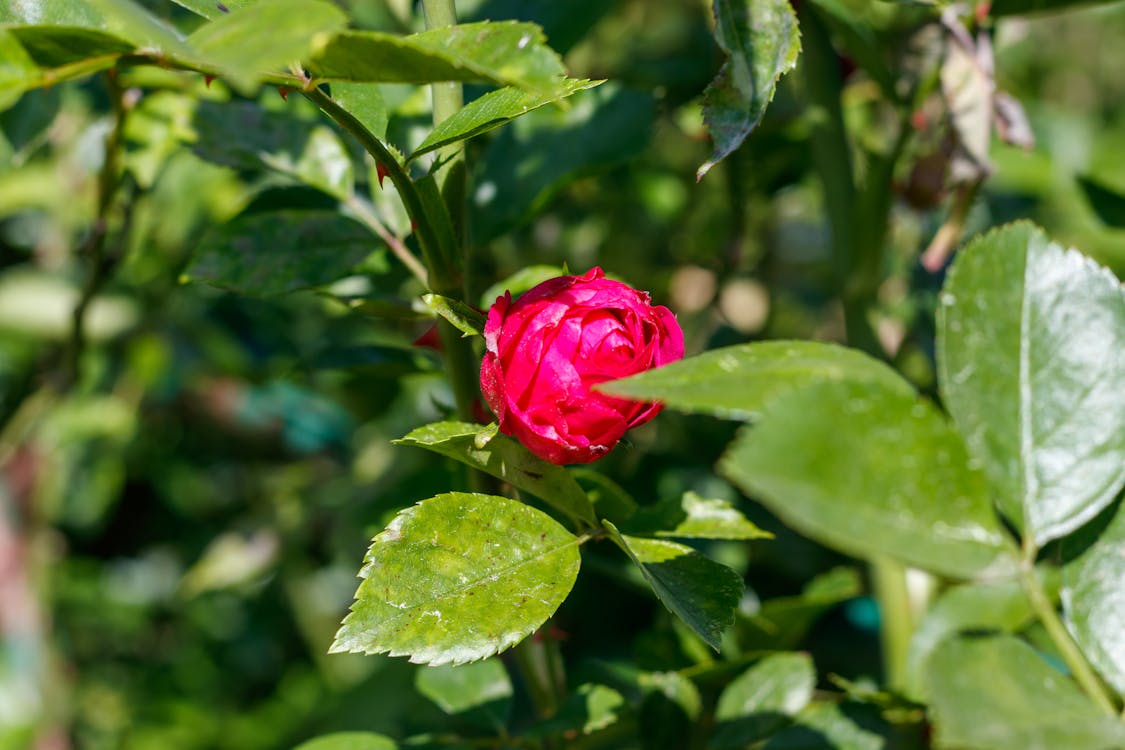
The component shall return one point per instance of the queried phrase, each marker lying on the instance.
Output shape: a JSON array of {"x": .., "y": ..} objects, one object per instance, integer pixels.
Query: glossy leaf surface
[
  {"x": 737, "y": 382},
  {"x": 763, "y": 699},
  {"x": 695, "y": 517},
  {"x": 698, "y": 590},
  {"x": 1093, "y": 594},
  {"x": 504, "y": 53},
  {"x": 504, "y": 458},
  {"x": 872, "y": 472},
  {"x": 1031, "y": 358},
  {"x": 761, "y": 41},
  {"x": 458, "y": 578},
  {"x": 493, "y": 110}
]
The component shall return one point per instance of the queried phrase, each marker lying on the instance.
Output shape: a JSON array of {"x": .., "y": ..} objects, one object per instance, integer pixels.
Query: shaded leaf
[
  {"x": 763, "y": 699},
  {"x": 542, "y": 152},
  {"x": 1031, "y": 363},
  {"x": 990, "y": 693},
  {"x": 493, "y": 110},
  {"x": 609, "y": 499},
  {"x": 1001, "y": 607},
  {"x": 737, "y": 382},
  {"x": 244, "y": 136},
  {"x": 669, "y": 711},
  {"x": 263, "y": 254},
  {"x": 698, "y": 590},
  {"x": 504, "y": 53},
  {"x": 1024, "y": 7},
  {"x": 349, "y": 741},
  {"x": 762, "y": 42},
  {"x": 457, "y": 578},
  {"x": 464, "y": 318},
  {"x": 782, "y": 622},
  {"x": 504, "y": 459},
  {"x": 263, "y": 36},
  {"x": 56, "y": 54},
  {"x": 694, "y": 517},
  {"x": 1108, "y": 203},
  {"x": 824, "y": 726},
  {"x": 481, "y": 691},
  {"x": 872, "y": 472},
  {"x": 1093, "y": 595},
  {"x": 587, "y": 709}
]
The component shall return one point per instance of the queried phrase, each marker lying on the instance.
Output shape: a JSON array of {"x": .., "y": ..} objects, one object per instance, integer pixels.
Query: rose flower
[{"x": 547, "y": 350}]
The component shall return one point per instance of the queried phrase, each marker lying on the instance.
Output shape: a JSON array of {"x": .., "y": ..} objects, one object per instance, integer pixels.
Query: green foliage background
[{"x": 184, "y": 522}]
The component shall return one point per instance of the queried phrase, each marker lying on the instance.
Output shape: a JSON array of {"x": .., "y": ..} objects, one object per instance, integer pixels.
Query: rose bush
[{"x": 547, "y": 350}]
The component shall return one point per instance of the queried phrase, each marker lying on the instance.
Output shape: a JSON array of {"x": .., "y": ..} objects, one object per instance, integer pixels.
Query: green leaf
[
  {"x": 458, "y": 578},
  {"x": 694, "y": 517},
  {"x": 782, "y": 622},
  {"x": 763, "y": 699},
  {"x": 1001, "y": 607},
  {"x": 349, "y": 741},
  {"x": 76, "y": 13},
  {"x": 66, "y": 52},
  {"x": 272, "y": 253},
  {"x": 761, "y": 41},
  {"x": 1093, "y": 594},
  {"x": 18, "y": 72},
  {"x": 824, "y": 726},
  {"x": 603, "y": 127},
  {"x": 587, "y": 709},
  {"x": 504, "y": 53},
  {"x": 265, "y": 36},
  {"x": 504, "y": 459},
  {"x": 872, "y": 472},
  {"x": 493, "y": 110},
  {"x": 738, "y": 382},
  {"x": 211, "y": 8},
  {"x": 1023, "y": 7},
  {"x": 132, "y": 21},
  {"x": 609, "y": 499},
  {"x": 990, "y": 693},
  {"x": 669, "y": 712},
  {"x": 464, "y": 318},
  {"x": 698, "y": 590},
  {"x": 1031, "y": 363},
  {"x": 481, "y": 691},
  {"x": 364, "y": 101},
  {"x": 1108, "y": 203}
]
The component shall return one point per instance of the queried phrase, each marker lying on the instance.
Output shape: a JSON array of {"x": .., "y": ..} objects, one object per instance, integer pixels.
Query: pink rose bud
[{"x": 547, "y": 350}]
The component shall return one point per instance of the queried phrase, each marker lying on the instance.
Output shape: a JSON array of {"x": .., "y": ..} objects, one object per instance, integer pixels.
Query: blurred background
[{"x": 181, "y": 524}]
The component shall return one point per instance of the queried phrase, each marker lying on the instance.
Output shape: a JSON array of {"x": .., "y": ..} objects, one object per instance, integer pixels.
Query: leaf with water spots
[
  {"x": 458, "y": 578},
  {"x": 872, "y": 472}
]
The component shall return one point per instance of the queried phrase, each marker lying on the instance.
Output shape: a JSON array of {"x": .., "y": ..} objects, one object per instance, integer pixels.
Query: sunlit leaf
[
  {"x": 264, "y": 36},
  {"x": 872, "y": 472},
  {"x": 990, "y": 693},
  {"x": 698, "y": 590},
  {"x": 762, "y": 42},
  {"x": 1093, "y": 594},
  {"x": 458, "y": 578},
  {"x": 737, "y": 382},
  {"x": 694, "y": 517},
  {"x": 493, "y": 110},
  {"x": 481, "y": 448},
  {"x": 1031, "y": 360},
  {"x": 763, "y": 699},
  {"x": 504, "y": 53}
]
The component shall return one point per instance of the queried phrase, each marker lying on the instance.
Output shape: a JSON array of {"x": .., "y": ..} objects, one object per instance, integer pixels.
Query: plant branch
[
  {"x": 1045, "y": 610},
  {"x": 93, "y": 250},
  {"x": 362, "y": 211}
]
